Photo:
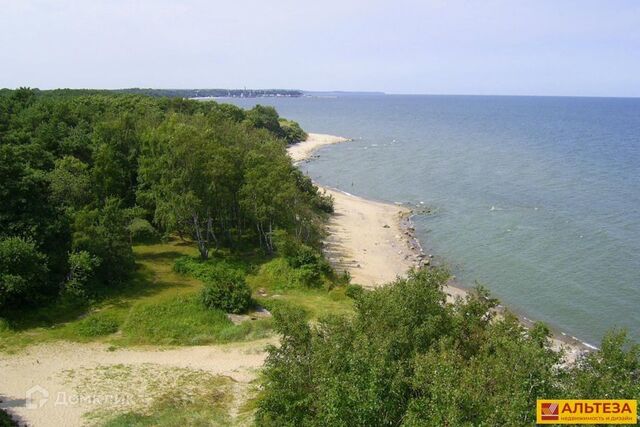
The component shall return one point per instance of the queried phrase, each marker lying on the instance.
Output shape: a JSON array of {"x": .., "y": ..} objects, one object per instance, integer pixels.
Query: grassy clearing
[
  {"x": 158, "y": 306},
  {"x": 161, "y": 307}
]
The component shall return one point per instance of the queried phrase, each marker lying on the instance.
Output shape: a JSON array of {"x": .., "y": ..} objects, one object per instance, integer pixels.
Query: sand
[
  {"x": 304, "y": 150},
  {"x": 373, "y": 240},
  {"x": 366, "y": 239},
  {"x": 369, "y": 239},
  {"x": 83, "y": 378}
]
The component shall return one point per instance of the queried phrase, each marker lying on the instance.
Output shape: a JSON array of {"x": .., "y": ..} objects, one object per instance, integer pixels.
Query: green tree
[
  {"x": 23, "y": 272},
  {"x": 115, "y": 167},
  {"x": 81, "y": 280},
  {"x": 70, "y": 183},
  {"x": 611, "y": 373},
  {"x": 264, "y": 117},
  {"x": 175, "y": 176},
  {"x": 103, "y": 233},
  {"x": 409, "y": 357},
  {"x": 27, "y": 210}
]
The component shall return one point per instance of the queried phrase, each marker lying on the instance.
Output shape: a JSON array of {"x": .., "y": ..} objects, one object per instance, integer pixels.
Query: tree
[
  {"x": 174, "y": 175},
  {"x": 103, "y": 233},
  {"x": 268, "y": 194},
  {"x": 611, "y": 373},
  {"x": 81, "y": 280},
  {"x": 23, "y": 272},
  {"x": 115, "y": 167},
  {"x": 292, "y": 131},
  {"x": 27, "y": 210},
  {"x": 409, "y": 357},
  {"x": 263, "y": 117},
  {"x": 70, "y": 183}
]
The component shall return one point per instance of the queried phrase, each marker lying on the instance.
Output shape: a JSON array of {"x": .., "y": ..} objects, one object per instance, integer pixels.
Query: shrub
[
  {"x": 308, "y": 264},
  {"x": 354, "y": 291},
  {"x": 227, "y": 291},
  {"x": 141, "y": 231},
  {"x": 4, "y": 325},
  {"x": 324, "y": 202},
  {"x": 406, "y": 358},
  {"x": 23, "y": 271},
  {"x": 81, "y": 279}
]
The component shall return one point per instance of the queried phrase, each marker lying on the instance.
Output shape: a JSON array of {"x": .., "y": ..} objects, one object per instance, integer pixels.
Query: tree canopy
[
  {"x": 78, "y": 169},
  {"x": 407, "y": 357}
]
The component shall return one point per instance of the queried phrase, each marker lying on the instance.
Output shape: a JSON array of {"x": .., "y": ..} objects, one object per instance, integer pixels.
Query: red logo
[{"x": 550, "y": 412}]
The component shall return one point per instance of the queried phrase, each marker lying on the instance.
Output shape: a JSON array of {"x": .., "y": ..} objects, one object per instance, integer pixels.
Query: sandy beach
[
  {"x": 371, "y": 240},
  {"x": 365, "y": 238},
  {"x": 305, "y": 149},
  {"x": 374, "y": 242}
]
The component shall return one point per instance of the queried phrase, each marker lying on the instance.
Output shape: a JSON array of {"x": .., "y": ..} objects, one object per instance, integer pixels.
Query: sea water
[{"x": 536, "y": 198}]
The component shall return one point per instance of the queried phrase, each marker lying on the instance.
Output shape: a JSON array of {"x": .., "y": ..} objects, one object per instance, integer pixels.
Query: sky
[{"x": 489, "y": 47}]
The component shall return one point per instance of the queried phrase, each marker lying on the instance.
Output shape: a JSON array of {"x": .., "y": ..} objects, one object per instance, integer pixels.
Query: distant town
[{"x": 215, "y": 93}]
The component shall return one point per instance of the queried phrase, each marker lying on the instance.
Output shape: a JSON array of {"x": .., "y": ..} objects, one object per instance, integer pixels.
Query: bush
[
  {"x": 23, "y": 271},
  {"x": 81, "y": 279},
  {"x": 227, "y": 291},
  {"x": 353, "y": 291},
  {"x": 141, "y": 231},
  {"x": 308, "y": 264},
  {"x": 406, "y": 357},
  {"x": 324, "y": 202},
  {"x": 4, "y": 325}
]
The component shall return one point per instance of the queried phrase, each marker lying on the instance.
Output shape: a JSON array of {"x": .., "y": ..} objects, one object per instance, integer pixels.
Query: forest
[{"x": 82, "y": 177}]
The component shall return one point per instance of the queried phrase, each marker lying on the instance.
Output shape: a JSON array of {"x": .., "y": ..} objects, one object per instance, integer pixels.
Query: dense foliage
[
  {"x": 228, "y": 291},
  {"x": 407, "y": 357},
  {"x": 85, "y": 174}
]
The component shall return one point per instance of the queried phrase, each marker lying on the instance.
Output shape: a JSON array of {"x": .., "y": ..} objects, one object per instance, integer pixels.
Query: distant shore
[{"x": 374, "y": 241}]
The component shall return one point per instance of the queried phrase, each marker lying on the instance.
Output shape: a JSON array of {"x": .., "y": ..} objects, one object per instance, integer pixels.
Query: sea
[{"x": 535, "y": 198}]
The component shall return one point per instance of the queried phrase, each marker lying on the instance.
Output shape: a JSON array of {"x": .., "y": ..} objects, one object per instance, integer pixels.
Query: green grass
[
  {"x": 275, "y": 277},
  {"x": 280, "y": 282},
  {"x": 160, "y": 306},
  {"x": 184, "y": 320}
]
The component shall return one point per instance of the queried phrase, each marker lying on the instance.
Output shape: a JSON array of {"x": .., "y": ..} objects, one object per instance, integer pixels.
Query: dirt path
[{"x": 69, "y": 380}]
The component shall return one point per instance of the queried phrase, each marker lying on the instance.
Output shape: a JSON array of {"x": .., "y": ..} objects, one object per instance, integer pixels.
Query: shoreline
[{"x": 375, "y": 242}]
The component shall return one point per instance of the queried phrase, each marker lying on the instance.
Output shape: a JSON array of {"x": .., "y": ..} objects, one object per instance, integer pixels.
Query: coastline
[
  {"x": 370, "y": 240},
  {"x": 375, "y": 242}
]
